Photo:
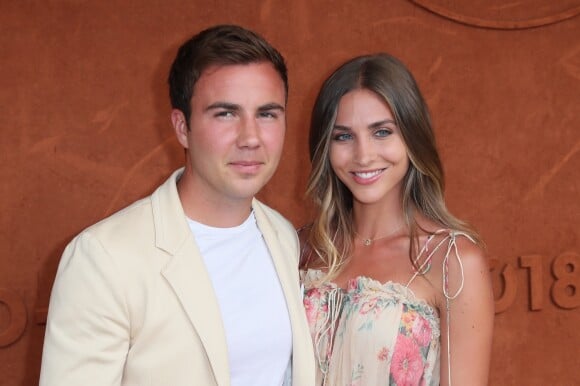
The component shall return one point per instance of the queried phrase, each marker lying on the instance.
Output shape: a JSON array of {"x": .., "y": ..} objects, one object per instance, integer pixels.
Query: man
[{"x": 198, "y": 283}]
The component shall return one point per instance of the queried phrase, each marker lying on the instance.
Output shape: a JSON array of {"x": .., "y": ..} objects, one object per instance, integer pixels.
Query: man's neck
[{"x": 214, "y": 211}]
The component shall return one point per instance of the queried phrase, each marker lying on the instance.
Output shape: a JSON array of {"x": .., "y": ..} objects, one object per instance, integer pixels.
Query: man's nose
[{"x": 249, "y": 133}]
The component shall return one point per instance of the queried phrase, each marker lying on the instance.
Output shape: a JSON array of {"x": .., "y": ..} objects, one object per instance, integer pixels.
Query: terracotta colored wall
[{"x": 85, "y": 130}]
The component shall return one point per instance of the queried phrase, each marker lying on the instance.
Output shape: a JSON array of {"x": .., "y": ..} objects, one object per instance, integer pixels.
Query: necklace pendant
[{"x": 367, "y": 242}]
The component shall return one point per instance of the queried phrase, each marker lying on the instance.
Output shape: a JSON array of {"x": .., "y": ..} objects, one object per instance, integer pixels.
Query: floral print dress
[{"x": 373, "y": 333}]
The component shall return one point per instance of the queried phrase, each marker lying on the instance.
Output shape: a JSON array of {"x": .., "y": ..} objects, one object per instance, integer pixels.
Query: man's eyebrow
[
  {"x": 236, "y": 107},
  {"x": 223, "y": 105},
  {"x": 271, "y": 106}
]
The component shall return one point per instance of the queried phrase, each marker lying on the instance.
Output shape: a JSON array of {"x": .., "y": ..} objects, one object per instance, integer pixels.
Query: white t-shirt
[{"x": 252, "y": 304}]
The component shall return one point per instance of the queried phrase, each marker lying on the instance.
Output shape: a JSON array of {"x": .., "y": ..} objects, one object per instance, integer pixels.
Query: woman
[{"x": 397, "y": 290}]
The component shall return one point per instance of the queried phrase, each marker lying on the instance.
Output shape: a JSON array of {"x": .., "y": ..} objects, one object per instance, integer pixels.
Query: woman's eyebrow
[{"x": 378, "y": 124}]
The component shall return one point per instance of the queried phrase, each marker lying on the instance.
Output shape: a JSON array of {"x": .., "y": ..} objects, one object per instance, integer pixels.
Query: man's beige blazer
[{"x": 132, "y": 303}]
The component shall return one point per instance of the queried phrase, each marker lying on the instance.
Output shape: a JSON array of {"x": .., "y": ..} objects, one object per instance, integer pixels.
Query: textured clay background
[{"x": 85, "y": 130}]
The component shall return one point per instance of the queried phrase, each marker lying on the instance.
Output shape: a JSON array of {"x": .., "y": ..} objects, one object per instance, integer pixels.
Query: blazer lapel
[
  {"x": 286, "y": 264},
  {"x": 188, "y": 277}
]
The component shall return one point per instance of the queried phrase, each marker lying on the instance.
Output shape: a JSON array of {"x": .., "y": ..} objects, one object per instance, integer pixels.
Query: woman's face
[{"x": 367, "y": 152}]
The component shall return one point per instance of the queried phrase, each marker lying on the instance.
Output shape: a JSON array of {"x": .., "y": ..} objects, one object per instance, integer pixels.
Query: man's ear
[{"x": 180, "y": 126}]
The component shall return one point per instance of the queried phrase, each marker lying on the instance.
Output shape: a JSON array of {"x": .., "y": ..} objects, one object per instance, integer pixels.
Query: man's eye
[
  {"x": 225, "y": 114},
  {"x": 268, "y": 114}
]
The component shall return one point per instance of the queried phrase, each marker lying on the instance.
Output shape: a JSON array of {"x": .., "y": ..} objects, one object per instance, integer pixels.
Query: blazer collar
[
  {"x": 171, "y": 228},
  {"x": 187, "y": 275}
]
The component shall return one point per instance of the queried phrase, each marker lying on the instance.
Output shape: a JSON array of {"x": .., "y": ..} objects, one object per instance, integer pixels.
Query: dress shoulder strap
[
  {"x": 423, "y": 264},
  {"x": 424, "y": 258}
]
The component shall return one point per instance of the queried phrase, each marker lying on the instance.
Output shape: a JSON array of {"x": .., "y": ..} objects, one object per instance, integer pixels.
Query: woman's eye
[
  {"x": 342, "y": 137},
  {"x": 383, "y": 132}
]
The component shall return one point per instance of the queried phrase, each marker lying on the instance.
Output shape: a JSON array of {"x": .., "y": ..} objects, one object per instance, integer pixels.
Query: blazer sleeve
[{"x": 88, "y": 332}]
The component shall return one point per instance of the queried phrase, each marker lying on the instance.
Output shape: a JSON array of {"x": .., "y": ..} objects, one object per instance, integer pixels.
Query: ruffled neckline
[{"x": 311, "y": 279}]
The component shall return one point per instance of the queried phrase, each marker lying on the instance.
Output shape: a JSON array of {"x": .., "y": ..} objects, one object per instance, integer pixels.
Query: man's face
[{"x": 237, "y": 129}]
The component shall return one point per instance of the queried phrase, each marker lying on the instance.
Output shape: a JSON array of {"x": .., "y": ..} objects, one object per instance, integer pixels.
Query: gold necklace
[{"x": 369, "y": 241}]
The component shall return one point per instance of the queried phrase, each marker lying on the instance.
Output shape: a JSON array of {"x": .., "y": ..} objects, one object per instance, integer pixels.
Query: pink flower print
[
  {"x": 383, "y": 354},
  {"x": 310, "y": 310},
  {"x": 355, "y": 297},
  {"x": 407, "y": 363},
  {"x": 422, "y": 331},
  {"x": 368, "y": 306},
  {"x": 408, "y": 319},
  {"x": 313, "y": 293},
  {"x": 352, "y": 284}
]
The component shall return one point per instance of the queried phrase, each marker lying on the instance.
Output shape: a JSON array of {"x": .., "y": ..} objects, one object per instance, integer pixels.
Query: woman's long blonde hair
[{"x": 330, "y": 237}]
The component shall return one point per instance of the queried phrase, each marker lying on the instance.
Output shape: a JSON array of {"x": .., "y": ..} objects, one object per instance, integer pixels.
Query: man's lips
[{"x": 245, "y": 166}]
